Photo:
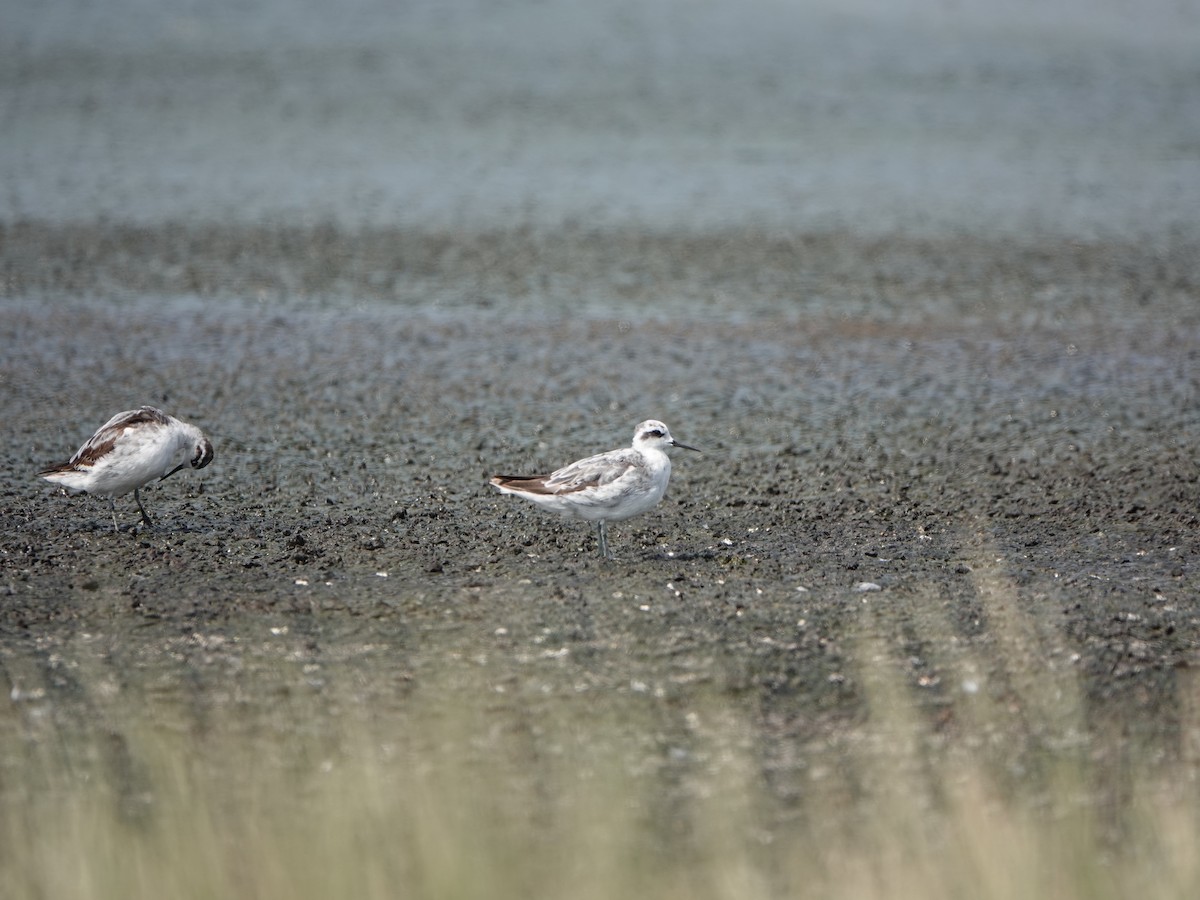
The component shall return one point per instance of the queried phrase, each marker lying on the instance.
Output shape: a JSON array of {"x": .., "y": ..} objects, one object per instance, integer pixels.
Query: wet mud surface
[
  {"x": 1003, "y": 486},
  {"x": 921, "y": 281}
]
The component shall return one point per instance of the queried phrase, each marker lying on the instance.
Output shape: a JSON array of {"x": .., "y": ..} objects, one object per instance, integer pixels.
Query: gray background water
[{"x": 1079, "y": 118}]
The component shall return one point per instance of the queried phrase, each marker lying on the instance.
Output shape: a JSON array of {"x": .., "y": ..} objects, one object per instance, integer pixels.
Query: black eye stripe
[{"x": 204, "y": 455}]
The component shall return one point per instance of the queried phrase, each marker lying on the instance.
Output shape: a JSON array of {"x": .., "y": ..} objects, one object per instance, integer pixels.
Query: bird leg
[
  {"x": 145, "y": 517},
  {"x": 600, "y": 530},
  {"x": 112, "y": 506}
]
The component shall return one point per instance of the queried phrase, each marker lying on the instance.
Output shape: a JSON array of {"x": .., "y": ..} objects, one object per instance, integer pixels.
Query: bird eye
[{"x": 654, "y": 433}]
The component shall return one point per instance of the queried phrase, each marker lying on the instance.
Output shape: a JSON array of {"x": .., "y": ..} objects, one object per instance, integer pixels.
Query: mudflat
[
  {"x": 926, "y": 299},
  {"x": 916, "y": 463}
]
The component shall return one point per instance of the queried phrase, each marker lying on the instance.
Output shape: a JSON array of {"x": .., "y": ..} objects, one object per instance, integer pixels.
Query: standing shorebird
[
  {"x": 130, "y": 450},
  {"x": 607, "y": 487}
]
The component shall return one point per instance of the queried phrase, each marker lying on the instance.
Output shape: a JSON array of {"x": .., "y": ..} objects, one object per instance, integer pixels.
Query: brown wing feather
[
  {"x": 148, "y": 414},
  {"x": 537, "y": 484},
  {"x": 87, "y": 456},
  {"x": 106, "y": 436},
  {"x": 531, "y": 485}
]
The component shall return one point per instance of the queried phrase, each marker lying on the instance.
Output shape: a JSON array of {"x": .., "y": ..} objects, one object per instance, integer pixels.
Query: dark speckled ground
[
  {"x": 980, "y": 464},
  {"x": 921, "y": 281}
]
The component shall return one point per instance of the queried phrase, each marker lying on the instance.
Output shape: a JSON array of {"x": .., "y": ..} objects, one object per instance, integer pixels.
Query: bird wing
[
  {"x": 595, "y": 471},
  {"x": 107, "y": 434}
]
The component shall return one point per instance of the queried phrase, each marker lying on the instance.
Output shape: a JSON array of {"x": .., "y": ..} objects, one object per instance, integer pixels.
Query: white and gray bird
[
  {"x": 608, "y": 487},
  {"x": 130, "y": 450}
]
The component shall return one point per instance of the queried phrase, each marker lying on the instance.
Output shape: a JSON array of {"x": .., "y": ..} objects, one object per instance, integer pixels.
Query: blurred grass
[{"x": 466, "y": 792}]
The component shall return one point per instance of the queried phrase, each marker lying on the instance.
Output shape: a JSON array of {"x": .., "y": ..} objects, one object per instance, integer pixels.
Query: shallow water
[{"x": 916, "y": 117}]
